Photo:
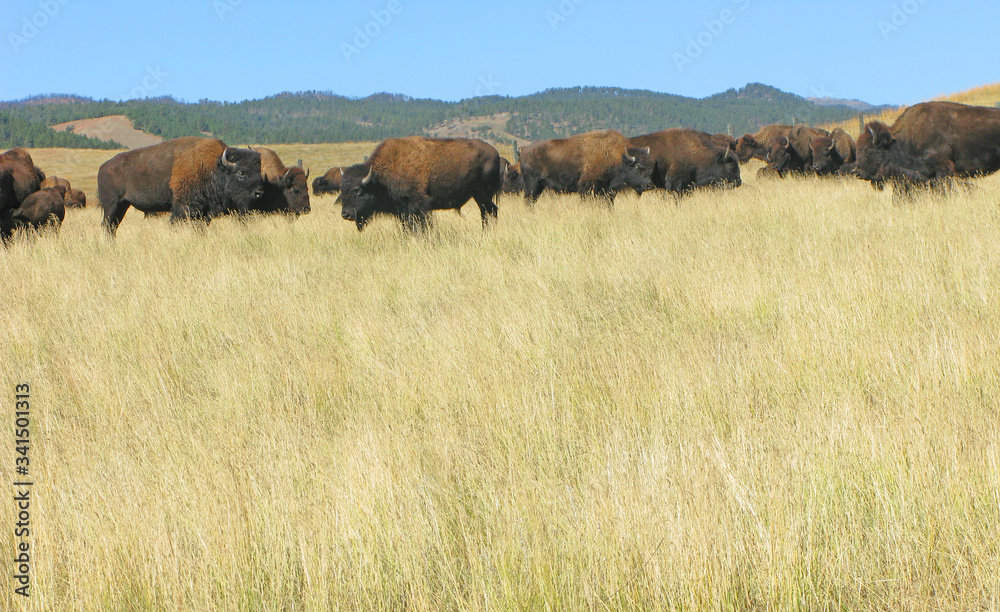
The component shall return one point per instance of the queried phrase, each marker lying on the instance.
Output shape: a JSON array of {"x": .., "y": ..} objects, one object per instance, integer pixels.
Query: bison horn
[
  {"x": 368, "y": 179},
  {"x": 307, "y": 174},
  {"x": 287, "y": 172},
  {"x": 225, "y": 160}
]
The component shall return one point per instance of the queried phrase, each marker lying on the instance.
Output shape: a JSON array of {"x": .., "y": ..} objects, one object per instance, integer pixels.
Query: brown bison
[
  {"x": 595, "y": 163},
  {"x": 8, "y": 202},
  {"x": 781, "y": 159},
  {"x": 44, "y": 207},
  {"x": 286, "y": 190},
  {"x": 192, "y": 177},
  {"x": 757, "y": 146},
  {"x": 684, "y": 160},
  {"x": 931, "y": 142},
  {"x": 512, "y": 182},
  {"x": 75, "y": 198},
  {"x": 54, "y": 181},
  {"x": 27, "y": 177},
  {"x": 830, "y": 153},
  {"x": 329, "y": 182},
  {"x": 800, "y": 140},
  {"x": 410, "y": 177}
]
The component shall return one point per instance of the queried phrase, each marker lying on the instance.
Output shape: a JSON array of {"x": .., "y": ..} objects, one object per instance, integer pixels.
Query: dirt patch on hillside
[
  {"x": 116, "y": 127},
  {"x": 487, "y": 127}
]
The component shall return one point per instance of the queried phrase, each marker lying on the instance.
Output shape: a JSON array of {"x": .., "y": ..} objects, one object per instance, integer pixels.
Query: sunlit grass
[{"x": 779, "y": 397}]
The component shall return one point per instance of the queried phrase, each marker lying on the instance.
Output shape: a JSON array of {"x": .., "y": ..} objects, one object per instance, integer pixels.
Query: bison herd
[{"x": 931, "y": 144}]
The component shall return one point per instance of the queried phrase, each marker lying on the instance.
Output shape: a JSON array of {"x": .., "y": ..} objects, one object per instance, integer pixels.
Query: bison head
[
  {"x": 329, "y": 182},
  {"x": 825, "y": 157},
  {"x": 874, "y": 145},
  {"x": 746, "y": 147},
  {"x": 512, "y": 181},
  {"x": 635, "y": 171},
  {"x": 239, "y": 172},
  {"x": 726, "y": 172},
  {"x": 296, "y": 190},
  {"x": 362, "y": 194}
]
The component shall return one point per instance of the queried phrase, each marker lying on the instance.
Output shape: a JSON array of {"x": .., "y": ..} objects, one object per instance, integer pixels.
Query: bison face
[
  {"x": 874, "y": 146},
  {"x": 727, "y": 170},
  {"x": 329, "y": 182},
  {"x": 746, "y": 146},
  {"x": 512, "y": 181},
  {"x": 362, "y": 194},
  {"x": 825, "y": 158},
  {"x": 296, "y": 191},
  {"x": 635, "y": 172},
  {"x": 241, "y": 178}
]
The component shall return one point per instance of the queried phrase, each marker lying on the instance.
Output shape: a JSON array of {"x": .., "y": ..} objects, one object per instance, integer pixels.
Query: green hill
[{"x": 320, "y": 117}]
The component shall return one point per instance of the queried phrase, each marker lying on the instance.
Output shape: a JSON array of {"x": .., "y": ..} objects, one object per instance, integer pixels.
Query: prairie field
[{"x": 782, "y": 397}]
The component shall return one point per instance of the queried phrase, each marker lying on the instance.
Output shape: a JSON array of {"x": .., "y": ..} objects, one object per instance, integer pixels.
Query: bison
[
  {"x": 44, "y": 207},
  {"x": 595, "y": 163},
  {"x": 930, "y": 143},
  {"x": 329, "y": 182},
  {"x": 8, "y": 202},
  {"x": 27, "y": 177},
  {"x": 781, "y": 159},
  {"x": 757, "y": 146},
  {"x": 75, "y": 198},
  {"x": 286, "y": 190},
  {"x": 685, "y": 159},
  {"x": 830, "y": 153},
  {"x": 192, "y": 178},
  {"x": 410, "y": 177},
  {"x": 512, "y": 182},
  {"x": 54, "y": 181}
]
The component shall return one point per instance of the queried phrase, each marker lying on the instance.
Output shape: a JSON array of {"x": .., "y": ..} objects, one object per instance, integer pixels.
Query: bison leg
[
  {"x": 533, "y": 187},
  {"x": 114, "y": 212},
  {"x": 415, "y": 222},
  {"x": 487, "y": 209}
]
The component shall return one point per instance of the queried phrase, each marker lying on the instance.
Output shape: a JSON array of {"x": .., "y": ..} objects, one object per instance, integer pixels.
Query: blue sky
[{"x": 898, "y": 51}]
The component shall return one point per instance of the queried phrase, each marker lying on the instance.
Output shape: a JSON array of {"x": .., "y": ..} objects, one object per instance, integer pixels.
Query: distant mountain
[
  {"x": 317, "y": 117},
  {"x": 857, "y": 105}
]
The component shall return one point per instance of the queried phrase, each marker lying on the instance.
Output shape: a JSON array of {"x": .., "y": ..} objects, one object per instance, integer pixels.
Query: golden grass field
[{"x": 782, "y": 397}]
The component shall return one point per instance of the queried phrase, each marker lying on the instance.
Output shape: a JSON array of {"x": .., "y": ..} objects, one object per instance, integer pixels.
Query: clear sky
[{"x": 880, "y": 51}]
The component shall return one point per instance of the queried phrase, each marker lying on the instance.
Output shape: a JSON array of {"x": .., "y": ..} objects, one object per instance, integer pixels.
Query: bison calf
[
  {"x": 329, "y": 182},
  {"x": 42, "y": 208}
]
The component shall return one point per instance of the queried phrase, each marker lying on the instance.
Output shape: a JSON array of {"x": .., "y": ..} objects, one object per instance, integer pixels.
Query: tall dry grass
[{"x": 781, "y": 397}]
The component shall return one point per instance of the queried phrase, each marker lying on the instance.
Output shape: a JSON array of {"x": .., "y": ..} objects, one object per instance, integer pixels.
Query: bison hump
[{"x": 194, "y": 168}]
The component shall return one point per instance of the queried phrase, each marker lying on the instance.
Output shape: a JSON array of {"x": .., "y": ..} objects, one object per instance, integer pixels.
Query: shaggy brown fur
[
  {"x": 799, "y": 138},
  {"x": 44, "y": 207},
  {"x": 53, "y": 181},
  {"x": 27, "y": 177},
  {"x": 757, "y": 145},
  {"x": 844, "y": 145},
  {"x": 686, "y": 159},
  {"x": 271, "y": 166},
  {"x": 195, "y": 167},
  {"x": 75, "y": 198}
]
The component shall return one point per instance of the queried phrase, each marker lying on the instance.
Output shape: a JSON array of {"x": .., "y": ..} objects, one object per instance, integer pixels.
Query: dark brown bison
[
  {"x": 286, "y": 190},
  {"x": 512, "y": 182},
  {"x": 595, "y": 163},
  {"x": 685, "y": 159},
  {"x": 192, "y": 177},
  {"x": 410, "y": 177},
  {"x": 42, "y": 208},
  {"x": 27, "y": 177},
  {"x": 75, "y": 198},
  {"x": 781, "y": 159},
  {"x": 931, "y": 142},
  {"x": 8, "y": 202},
  {"x": 800, "y": 140},
  {"x": 757, "y": 146},
  {"x": 329, "y": 182},
  {"x": 830, "y": 153}
]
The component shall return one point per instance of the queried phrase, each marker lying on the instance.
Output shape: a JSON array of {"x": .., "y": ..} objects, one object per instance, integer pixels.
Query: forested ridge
[{"x": 321, "y": 117}]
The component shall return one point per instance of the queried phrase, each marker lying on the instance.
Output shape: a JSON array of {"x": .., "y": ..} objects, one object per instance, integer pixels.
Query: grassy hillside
[
  {"x": 987, "y": 95},
  {"x": 780, "y": 397}
]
